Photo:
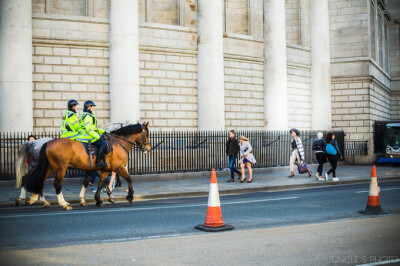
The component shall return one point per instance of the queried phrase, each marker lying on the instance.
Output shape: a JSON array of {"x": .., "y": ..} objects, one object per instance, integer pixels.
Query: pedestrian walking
[
  {"x": 319, "y": 147},
  {"x": 246, "y": 158},
  {"x": 297, "y": 151},
  {"x": 333, "y": 153},
  {"x": 232, "y": 150}
]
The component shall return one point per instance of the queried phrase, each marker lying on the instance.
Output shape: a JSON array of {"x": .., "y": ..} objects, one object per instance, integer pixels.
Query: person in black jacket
[
  {"x": 232, "y": 150},
  {"x": 319, "y": 147},
  {"x": 333, "y": 159}
]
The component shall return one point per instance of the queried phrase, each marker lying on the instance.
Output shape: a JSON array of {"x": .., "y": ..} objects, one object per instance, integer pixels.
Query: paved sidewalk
[{"x": 268, "y": 179}]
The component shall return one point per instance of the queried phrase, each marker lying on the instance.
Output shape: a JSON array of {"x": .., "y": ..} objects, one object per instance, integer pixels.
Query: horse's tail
[
  {"x": 34, "y": 181},
  {"x": 20, "y": 165}
]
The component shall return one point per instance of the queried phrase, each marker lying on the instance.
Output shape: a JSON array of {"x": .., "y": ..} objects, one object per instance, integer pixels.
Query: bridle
[{"x": 141, "y": 146}]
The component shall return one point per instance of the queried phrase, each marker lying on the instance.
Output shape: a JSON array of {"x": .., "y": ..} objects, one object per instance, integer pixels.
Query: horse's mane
[{"x": 128, "y": 130}]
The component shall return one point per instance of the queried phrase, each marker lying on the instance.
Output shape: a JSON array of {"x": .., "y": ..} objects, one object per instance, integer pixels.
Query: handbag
[
  {"x": 302, "y": 167},
  {"x": 330, "y": 149}
]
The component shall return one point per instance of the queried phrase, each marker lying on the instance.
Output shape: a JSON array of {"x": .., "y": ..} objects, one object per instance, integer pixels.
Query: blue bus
[{"x": 392, "y": 142}]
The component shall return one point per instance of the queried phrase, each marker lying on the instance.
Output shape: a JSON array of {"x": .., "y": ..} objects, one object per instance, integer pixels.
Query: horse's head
[{"x": 144, "y": 140}]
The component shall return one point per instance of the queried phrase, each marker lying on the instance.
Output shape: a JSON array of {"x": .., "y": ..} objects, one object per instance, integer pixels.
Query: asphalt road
[{"x": 35, "y": 227}]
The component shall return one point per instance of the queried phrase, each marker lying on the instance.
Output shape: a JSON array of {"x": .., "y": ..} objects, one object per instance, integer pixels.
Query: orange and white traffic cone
[
  {"x": 214, "y": 222},
  {"x": 373, "y": 203}
]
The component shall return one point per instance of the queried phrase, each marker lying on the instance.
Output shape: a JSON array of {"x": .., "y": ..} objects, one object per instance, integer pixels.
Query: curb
[{"x": 222, "y": 192}]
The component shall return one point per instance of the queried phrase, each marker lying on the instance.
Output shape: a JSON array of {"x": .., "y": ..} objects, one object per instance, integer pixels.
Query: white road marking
[
  {"x": 382, "y": 189},
  {"x": 381, "y": 262},
  {"x": 138, "y": 209}
]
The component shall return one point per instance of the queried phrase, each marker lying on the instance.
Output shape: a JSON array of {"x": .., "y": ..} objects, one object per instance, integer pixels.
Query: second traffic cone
[
  {"x": 214, "y": 222},
  {"x": 373, "y": 203}
]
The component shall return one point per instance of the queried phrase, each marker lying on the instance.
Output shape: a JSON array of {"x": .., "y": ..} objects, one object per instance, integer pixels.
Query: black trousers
[
  {"x": 321, "y": 158},
  {"x": 102, "y": 145},
  {"x": 333, "y": 160}
]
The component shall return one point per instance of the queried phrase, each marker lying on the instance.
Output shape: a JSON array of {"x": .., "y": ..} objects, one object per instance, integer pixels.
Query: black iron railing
[
  {"x": 354, "y": 149},
  {"x": 188, "y": 151}
]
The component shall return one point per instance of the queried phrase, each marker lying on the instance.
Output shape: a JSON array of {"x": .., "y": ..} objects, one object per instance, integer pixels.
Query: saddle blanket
[{"x": 94, "y": 148}]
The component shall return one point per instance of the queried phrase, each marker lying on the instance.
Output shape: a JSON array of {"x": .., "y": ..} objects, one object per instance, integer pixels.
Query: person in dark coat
[
  {"x": 333, "y": 159},
  {"x": 232, "y": 150},
  {"x": 319, "y": 148}
]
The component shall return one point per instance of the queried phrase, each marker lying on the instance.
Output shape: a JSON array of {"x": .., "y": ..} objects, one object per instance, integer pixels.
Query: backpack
[{"x": 330, "y": 149}]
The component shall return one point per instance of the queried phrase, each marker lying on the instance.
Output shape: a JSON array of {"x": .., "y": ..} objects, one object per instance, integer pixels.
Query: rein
[{"x": 130, "y": 142}]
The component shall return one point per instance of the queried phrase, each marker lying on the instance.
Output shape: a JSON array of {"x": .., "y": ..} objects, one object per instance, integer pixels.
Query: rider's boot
[{"x": 100, "y": 156}]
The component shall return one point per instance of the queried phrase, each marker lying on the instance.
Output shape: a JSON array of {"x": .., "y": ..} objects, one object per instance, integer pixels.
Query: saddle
[{"x": 92, "y": 150}]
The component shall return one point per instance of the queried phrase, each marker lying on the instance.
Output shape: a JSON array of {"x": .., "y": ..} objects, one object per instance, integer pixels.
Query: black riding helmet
[
  {"x": 87, "y": 104},
  {"x": 72, "y": 103}
]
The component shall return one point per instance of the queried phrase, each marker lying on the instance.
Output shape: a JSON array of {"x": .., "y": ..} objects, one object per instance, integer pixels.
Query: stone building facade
[{"x": 202, "y": 65}]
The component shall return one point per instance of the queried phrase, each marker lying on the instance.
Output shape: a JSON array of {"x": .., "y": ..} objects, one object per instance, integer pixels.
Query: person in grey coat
[{"x": 246, "y": 158}]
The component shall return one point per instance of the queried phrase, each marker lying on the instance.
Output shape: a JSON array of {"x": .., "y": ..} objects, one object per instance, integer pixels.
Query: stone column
[
  {"x": 16, "y": 65},
  {"x": 210, "y": 66},
  {"x": 275, "y": 77},
  {"x": 124, "y": 61},
  {"x": 321, "y": 114}
]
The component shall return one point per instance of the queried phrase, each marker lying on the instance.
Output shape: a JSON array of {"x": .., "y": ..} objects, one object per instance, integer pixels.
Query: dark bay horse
[{"x": 58, "y": 154}]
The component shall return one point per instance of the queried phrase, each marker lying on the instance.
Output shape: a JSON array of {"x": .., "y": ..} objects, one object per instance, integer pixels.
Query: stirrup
[{"x": 101, "y": 164}]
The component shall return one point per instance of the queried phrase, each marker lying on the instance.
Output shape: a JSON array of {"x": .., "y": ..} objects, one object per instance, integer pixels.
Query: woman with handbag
[
  {"x": 246, "y": 158},
  {"x": 332, "y": 152},
  {"x": 319, "y": 147},
  {"x": 297, "y": 153}
]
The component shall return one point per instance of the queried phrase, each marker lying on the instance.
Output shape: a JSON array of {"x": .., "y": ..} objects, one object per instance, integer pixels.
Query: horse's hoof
[
  {"x": 68, "y": 208},
  {"x": 18, "y": 202},
  {"x": 99, "y": 204},
  {"x": 111, "y": 200},
  {"x": 47, "y": 205},
  {"x": 129, "y": 199},
  {"x": 83, "y": 203},
  {"x": 27, "y": 202}
]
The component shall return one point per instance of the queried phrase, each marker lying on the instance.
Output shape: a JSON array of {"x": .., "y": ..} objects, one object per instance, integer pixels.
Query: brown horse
[{"x": 59, "y": 154}]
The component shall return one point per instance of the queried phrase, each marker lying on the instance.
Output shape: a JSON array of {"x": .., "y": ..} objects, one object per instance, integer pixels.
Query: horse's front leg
[
  {"x": 102, "y": 181},
  {"x": 124, "y": 173},
  {"x": 84, "y": 187}
]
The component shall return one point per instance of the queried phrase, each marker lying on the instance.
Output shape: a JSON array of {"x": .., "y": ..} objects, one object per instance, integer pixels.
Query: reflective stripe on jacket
[
  {"x": 90, "y": 129},
  {"x": 70, "y": 126}
]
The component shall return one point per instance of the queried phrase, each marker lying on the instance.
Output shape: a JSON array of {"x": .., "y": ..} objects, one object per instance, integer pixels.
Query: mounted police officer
[
  {"x": 70, "y": 127},
  {"x": 93, "y": 133}
]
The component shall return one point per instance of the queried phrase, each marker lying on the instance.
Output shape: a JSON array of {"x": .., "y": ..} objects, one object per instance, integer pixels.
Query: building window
[
  {"x": 372, "y": 28},
  {"x": 386, "y": 48},
  {"x": 66, "y": 7},
  {"x": 165, "y": 11},
  {"x": 293, "y": 21},
  {"x": 380, "y": 40},
  {"x": 237, "y": 16}
]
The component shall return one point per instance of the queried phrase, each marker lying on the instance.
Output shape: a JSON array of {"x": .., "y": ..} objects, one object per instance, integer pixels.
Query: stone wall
[
  {"x": 394, "y": 56},
  {"x": 168, "y": 77},
  {"x": 244, "y": 97},
  {"x": 349, "y": 28},
  {"x": 395, "y": 115},
  {"x": 299, "y": 87},
  {"x": 360, "y": 85},
  {"x": 70, "y": 61}
]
